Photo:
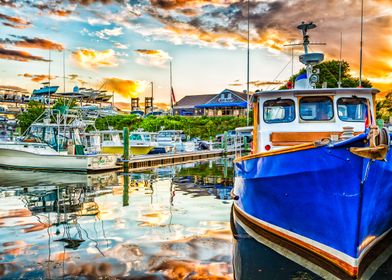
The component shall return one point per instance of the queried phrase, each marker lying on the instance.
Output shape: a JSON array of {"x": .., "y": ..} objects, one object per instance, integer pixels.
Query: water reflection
[
  {"x": 168, "y": 223},
  {"x": 259, "y": 255}
]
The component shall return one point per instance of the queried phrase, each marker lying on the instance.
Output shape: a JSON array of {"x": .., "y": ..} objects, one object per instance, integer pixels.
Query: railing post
[{"x": 126, "y": 144}]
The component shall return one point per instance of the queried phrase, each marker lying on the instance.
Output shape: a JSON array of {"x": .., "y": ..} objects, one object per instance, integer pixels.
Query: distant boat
[
  {"x": 320, "y": 172},
  {"x": 140, "y": 142},
  {"x": 54, "y": 145},
  {"x": 174, "y": 141},
  {"x": 46, "y": 90}
]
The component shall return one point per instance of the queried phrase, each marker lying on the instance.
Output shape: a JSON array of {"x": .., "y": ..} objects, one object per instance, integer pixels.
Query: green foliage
[
  {"x": 118, "y": 122},
  {"x": 62, "y": 103},
  {"x": 329, "y": 72},
  {"x": 34, "y": 110},
  {"x": 384, "y": 108},
  {"x": 203, "y": 127}
]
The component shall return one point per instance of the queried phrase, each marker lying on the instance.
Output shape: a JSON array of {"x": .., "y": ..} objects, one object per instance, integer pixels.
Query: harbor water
[{"x": 166, "y": 223}]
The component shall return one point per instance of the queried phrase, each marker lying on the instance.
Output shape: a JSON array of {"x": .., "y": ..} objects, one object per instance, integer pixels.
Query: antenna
[
  {"x": 308, "y": 59},
  {"x": 247, "y": 75},
  {"x": 360, "y": 50},
  {"x": 340, "y": 61}
]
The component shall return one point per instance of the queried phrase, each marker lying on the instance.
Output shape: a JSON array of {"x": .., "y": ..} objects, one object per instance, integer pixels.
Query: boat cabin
[{"x": 290, "y": 117}]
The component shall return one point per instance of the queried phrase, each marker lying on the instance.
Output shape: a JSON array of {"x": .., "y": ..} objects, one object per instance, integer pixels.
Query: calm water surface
[{"x": 167, "y": 223}]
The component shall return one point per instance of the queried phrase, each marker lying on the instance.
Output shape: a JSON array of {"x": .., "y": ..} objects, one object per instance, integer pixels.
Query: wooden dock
[{"x": 151, "y": 161}]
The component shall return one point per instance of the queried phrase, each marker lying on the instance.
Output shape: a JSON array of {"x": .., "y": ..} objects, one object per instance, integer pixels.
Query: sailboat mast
[
  {"x": 171, "y": 89},
  {"x": 49, "y": 80},
  {"x": 247, "y": 76},
  {"x": 360, "y": 50},
  {"x": 64, "y": 71},
  {"x": 340, "y": 61}
]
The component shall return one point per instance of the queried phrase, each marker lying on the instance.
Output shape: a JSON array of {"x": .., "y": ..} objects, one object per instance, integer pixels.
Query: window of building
[
  {"x": 352, "y": 109},
  {"x": 279, "y": 111},
  {"x": 316, "y": 108}
]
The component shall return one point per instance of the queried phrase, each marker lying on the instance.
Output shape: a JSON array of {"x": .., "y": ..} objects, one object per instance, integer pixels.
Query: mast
[
  {"x": 340, "y": 61},
  {"x": 171, "y": 90},
  {"x": 360, "y": 50},
  {"x": 64, "y": 71},
  {"x": 247, "y": 76},
  {"x": 49, "y": 80},
  {"x": 152, "y": 97}
]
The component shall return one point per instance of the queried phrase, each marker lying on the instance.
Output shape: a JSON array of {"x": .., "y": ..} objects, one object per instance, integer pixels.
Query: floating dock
[{"x": 150, "y": 161}]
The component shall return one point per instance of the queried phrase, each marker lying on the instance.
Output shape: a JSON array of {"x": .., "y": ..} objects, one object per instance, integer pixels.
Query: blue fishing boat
[
  {"x": 319, "y": 174},
  {"x": 45, "y": 90}
]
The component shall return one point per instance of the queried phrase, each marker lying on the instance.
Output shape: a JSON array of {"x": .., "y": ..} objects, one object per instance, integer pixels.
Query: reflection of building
[{"x": 226, "y": 103}]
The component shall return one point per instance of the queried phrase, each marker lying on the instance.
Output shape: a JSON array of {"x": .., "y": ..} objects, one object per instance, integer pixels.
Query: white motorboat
[
  {"x": 54, "y": 145},
  {"x": 174, "y": 141}
]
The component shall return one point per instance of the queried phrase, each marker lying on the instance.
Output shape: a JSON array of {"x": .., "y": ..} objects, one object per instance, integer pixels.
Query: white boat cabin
[{"x": 290, "y": 117}]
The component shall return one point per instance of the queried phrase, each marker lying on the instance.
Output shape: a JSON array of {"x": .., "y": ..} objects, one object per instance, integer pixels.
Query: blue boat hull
[{"x": 324, "y": 198}]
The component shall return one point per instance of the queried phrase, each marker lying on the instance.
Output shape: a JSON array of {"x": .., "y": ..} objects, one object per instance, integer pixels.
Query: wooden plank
[{"x": 300, "y": 137}]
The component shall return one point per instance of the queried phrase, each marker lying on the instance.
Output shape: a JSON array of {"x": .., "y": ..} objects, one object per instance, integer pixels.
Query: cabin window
[
  {"x": 352, "y": 109},
  {"x": 316, "y": 108},
  {"x": 279, "y": 111}
]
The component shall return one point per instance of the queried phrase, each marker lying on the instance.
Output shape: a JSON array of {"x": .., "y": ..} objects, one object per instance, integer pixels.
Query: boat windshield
[
  {"x": 316, "y": 108},
  {"x": 136, "y": 137},
  {"x": 279, "y": 111},
  {"x": 352, "y": 109}
]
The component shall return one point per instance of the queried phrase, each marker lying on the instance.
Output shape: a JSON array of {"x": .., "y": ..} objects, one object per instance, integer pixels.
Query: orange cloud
[
  {"x": 37, "y": 77},
  {"x": 173, "y": 4},
  {"x": 223, "y": 24},
  {"x": 90, "y": 58},
  {"x": 14, "y": 21},
  {"x": 61, "y": 13},
  {"x": 36, "y": 43},
  {"x": 19, "y": 55},
  {"x": 126, "y": 88},
  {"x": 152, "y": 57}
]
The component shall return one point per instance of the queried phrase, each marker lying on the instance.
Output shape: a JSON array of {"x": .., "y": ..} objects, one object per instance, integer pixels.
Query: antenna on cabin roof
[{"x": 308, "y": 59}]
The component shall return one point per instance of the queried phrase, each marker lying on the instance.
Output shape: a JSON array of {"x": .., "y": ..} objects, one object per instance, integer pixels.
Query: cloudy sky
[{"x": 124, "y": 45}]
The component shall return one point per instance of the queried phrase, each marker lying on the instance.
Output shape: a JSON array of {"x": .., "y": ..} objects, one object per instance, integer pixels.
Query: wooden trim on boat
[
  {"x": 341, "y": 268},
  {"x": 305, "y": 146},
  {"x": 255, "y": 126}
]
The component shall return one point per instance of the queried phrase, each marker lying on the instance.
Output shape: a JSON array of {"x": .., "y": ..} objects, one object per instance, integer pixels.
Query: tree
[
  {"x": 384, "y": 108},
  {"x": 329, "y": 72},
  {"x": 34, "y": 110}
]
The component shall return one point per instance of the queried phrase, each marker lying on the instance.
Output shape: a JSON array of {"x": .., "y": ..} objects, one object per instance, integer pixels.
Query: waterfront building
[{"x": 226, "y": 103}]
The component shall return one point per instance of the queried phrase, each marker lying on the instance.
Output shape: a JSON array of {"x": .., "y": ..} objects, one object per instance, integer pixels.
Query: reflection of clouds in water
[{"x": 137, "y": 241}]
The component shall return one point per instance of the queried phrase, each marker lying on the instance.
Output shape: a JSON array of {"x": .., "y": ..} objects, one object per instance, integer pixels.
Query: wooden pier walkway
[{"x": 150, "y": 161}]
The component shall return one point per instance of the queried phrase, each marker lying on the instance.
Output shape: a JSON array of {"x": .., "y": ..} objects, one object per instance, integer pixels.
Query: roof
[
  {"x": 317, "y": 90},
  {"x": 238, "y": 93},
  {"x": 222, "y": 105},
  {"x": 191, "y": 101}
]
